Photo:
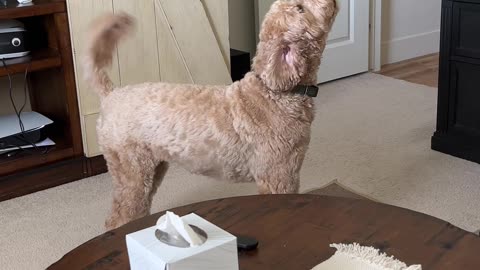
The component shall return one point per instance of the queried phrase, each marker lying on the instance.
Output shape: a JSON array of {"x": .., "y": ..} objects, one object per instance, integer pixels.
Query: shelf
[
  {"x": 40, "y": 7},
  {"x": 39, "y": 60},
  {"x": 28, "y": 160}
]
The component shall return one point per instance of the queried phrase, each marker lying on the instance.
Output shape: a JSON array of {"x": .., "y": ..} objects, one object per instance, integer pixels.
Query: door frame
[
  {"x": 375, "y": 35},
  {"x": 375, "y": 44}
]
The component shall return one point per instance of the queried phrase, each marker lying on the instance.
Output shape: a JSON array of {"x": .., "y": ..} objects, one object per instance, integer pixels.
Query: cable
[
  {"x": 25, "y": 91},
  {"x": 18, "y": 113},
  {"x": 12, "y": 101}
]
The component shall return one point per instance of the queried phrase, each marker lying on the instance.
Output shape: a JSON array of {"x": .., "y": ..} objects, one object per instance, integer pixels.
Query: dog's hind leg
[{"x": 133, "y": 175}]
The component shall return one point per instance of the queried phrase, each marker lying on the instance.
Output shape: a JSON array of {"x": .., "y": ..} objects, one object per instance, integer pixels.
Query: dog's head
[{"x": 292, "y": 40}]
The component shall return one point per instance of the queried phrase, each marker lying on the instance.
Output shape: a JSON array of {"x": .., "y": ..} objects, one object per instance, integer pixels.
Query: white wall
[
  {"x": 410, "y": 28},
  {"x": 242, "y": 25}
]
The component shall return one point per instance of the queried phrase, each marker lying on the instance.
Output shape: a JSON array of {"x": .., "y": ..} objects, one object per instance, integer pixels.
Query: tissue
[{"x": 174, "y": 225}]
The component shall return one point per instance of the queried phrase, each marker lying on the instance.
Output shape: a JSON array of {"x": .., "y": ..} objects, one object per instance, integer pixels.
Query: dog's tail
[{"x": 105, "y": 33}]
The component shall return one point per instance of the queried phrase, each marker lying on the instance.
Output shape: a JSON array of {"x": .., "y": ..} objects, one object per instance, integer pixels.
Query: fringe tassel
[{"x": 373, "y": 257}]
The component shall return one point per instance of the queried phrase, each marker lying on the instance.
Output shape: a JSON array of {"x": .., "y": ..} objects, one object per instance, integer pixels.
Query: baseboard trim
[
  {"x": 409, "y": 47},
  {"x": 49, "y": 176},
  {"x": 96, "y": 165}
]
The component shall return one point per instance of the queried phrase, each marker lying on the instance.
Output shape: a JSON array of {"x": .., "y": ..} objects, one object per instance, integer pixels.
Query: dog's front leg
[
  {"x": 279, "y": 179},
  {"x": 278, "y": 173}
]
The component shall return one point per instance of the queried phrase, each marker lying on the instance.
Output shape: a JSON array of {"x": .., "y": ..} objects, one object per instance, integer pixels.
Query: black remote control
[{"x": 245, "y": 243}]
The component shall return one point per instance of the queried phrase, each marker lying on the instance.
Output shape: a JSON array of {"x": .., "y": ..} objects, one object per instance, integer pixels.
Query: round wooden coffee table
[{"x": 295, "y": 231}]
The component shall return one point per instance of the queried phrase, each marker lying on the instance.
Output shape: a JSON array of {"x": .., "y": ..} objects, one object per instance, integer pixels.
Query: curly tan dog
[{"x": 257, "y": 129}]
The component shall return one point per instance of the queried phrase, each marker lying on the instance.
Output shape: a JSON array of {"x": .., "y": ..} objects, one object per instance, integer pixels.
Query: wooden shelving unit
[{"x": 53, "y": 94}]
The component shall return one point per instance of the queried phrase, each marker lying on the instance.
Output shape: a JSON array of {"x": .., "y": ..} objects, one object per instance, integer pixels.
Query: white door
[{"x": 347, "y": 51}]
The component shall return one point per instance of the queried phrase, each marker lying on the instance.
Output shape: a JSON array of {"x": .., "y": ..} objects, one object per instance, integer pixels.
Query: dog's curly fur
[{"x": 253, "y": 130}]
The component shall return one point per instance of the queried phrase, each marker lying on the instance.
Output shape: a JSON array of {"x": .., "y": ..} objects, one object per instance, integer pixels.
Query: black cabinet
[{"x": 458, "y": 116}]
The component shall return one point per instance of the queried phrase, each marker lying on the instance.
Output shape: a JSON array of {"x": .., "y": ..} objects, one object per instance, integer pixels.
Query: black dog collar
[
  {"x": 303, "y": 90},
  {"x": 306, "y": 90}
]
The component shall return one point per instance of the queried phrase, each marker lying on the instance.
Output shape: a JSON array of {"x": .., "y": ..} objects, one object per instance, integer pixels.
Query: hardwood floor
[{"x": 421, "y": 70}]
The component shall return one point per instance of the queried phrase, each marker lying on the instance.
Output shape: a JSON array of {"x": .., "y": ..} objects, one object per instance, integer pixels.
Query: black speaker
[{"x": 12, "y": 39}]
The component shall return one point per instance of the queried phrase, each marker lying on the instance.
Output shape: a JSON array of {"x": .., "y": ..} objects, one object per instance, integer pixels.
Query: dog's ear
[{"x": 280, "y": 63}]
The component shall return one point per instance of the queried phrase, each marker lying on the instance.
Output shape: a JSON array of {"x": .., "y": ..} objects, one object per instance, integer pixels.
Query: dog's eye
[{"x": 300, "y": 8}]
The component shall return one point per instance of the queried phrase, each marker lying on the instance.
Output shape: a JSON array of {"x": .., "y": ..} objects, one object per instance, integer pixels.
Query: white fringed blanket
[{"x": 356, "y": 257}]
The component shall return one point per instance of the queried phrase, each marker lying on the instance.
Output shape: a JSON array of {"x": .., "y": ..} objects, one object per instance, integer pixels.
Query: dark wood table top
[{"x": 295, "y": 231}]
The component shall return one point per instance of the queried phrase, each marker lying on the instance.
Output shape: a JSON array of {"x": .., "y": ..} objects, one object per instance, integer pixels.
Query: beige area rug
[{"x": 372, "y": 133}]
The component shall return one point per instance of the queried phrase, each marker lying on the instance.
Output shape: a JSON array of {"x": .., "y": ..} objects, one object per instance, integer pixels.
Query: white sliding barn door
[
  {"x": 199, "y": 45},
  {"x": 347, "y": 51}
]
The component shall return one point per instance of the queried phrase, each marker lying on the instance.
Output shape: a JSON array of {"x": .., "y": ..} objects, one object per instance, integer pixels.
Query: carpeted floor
[{"x": 372, "y": 133}]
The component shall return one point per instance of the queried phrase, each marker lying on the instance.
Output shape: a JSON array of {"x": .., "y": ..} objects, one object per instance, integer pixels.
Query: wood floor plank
[{"x": 422, "y": 70}]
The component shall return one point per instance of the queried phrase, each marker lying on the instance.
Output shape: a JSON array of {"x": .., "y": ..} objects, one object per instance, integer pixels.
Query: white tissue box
[{"x": 219, "y": 252}]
